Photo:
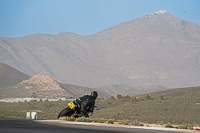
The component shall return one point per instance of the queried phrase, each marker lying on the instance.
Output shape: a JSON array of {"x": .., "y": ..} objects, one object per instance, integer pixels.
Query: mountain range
[{"x": 157, "y": 49}]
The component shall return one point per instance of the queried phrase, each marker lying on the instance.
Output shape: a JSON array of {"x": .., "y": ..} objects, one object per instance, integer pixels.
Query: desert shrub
[
  {"x": 95, "y": 120},
  {"x": 185, "y": 126},
  {"x": 126, "y": 98},
  {"x": 119, "y": 96},
  {"x": 112, "y": 97},
  {"x": 181, "y": 127},
  {"x": 70, "y": 119},
  {"x": 62, "y": 118},
  {"x": 83, "y": 119},
  {"x": 189, "y": 126},
  {"x": 136, "y": 123},
  {"x": 148, "y": 97},
  {"x": 111, "y": 121},
  {"x": 161, "y": 97},
  {"x": 102, "y": 120},
  {"x": 125, "y": 122},
  {"x": 134, "y": 99},
  {"x": 169, "y": 125}
]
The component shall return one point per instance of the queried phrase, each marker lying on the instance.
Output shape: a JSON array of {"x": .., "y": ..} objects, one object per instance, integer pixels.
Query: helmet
[{"x": 94, "y": 94}]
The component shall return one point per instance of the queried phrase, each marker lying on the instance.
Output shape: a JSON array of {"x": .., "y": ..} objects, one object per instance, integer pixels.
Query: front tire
[{"x": 65, "y": 112}]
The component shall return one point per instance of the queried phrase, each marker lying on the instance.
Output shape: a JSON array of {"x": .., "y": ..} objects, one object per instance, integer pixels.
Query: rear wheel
[{"x": 65, "y": 112}]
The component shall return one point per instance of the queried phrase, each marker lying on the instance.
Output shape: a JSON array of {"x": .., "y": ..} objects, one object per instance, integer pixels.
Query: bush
[
  {"x": 125, "y": 122},
  {"x": 136, "y": 123},
  {"x": 70, "y": 119},
  {"x": 185, "y": 126},
  {"x": 112, "y": 97},
  {"x": 83, "y": 119},
  {"x": 119, "y": 96},
  {"x": 95, "y": 120},
  {"x": 161, "y": 97},
  {"x": 181, "y": 127},
  {"x": 148, "y": 97},
  {"x": 102, "y": 120},
  {"x": 62, "y": 118},
  {"x": 111, "y": 121},
  {"x": 168, "y": 125},
  {"x": 190, "y": 127}
]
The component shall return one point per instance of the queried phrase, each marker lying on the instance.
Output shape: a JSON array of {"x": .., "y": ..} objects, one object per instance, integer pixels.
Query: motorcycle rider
[{"x": 87, "y": 103}]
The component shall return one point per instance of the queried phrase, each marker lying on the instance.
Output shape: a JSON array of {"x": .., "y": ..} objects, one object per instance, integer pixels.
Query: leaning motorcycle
[{"x": 73, "y": 109}]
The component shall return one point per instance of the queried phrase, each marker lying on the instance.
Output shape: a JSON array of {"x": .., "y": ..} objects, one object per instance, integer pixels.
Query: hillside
[
  {"x": 116, "y": 89},
  {"x": 177, "y": 106},
  {"x": 157, "y": 49},
  {"x": 189, "y": 92},
  {"x": 80, "y": 91},
  {"x": 10, "y": 76}
]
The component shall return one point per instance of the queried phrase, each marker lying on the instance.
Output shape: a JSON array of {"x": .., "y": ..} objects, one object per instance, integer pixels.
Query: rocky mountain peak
[
  {"x": 155, "y": 24},
  {"x": 161, "y": 18}
]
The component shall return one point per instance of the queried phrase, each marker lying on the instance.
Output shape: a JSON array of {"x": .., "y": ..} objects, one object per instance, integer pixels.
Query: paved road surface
[{"x": 30, "y": 126}]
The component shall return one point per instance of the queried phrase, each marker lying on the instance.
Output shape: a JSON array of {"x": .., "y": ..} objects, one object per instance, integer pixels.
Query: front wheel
[{"x": 65, "y": 112}]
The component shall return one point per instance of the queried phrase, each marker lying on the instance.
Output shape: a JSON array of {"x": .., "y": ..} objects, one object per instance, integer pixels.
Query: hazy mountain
[
  {"x": 10, "y": 76},
  {"x": 157, "y": 49}
]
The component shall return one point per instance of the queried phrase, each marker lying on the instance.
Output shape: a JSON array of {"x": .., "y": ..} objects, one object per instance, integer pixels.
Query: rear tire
[{"x": 65, "y": 112}]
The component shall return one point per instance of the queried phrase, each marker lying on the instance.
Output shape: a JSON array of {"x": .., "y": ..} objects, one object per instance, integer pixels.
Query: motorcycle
[{"x": 73, "y": 109}]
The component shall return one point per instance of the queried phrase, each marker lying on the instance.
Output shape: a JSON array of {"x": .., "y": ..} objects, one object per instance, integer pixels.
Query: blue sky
[{"x": 84, "y": 17}]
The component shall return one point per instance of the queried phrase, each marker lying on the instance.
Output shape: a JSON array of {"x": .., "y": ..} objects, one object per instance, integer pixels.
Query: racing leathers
[{"x": 87, "y": 103}]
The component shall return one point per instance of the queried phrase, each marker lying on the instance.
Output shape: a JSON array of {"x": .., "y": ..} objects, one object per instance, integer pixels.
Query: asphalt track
[{"x": 42, "y": 126}]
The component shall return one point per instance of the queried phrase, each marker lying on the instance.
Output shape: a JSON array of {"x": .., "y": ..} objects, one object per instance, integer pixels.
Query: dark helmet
[{"x": 94, "y": 94}]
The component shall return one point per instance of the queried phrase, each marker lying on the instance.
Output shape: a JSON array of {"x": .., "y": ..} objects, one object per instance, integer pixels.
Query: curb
[{"x": 118, "y": 125}]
